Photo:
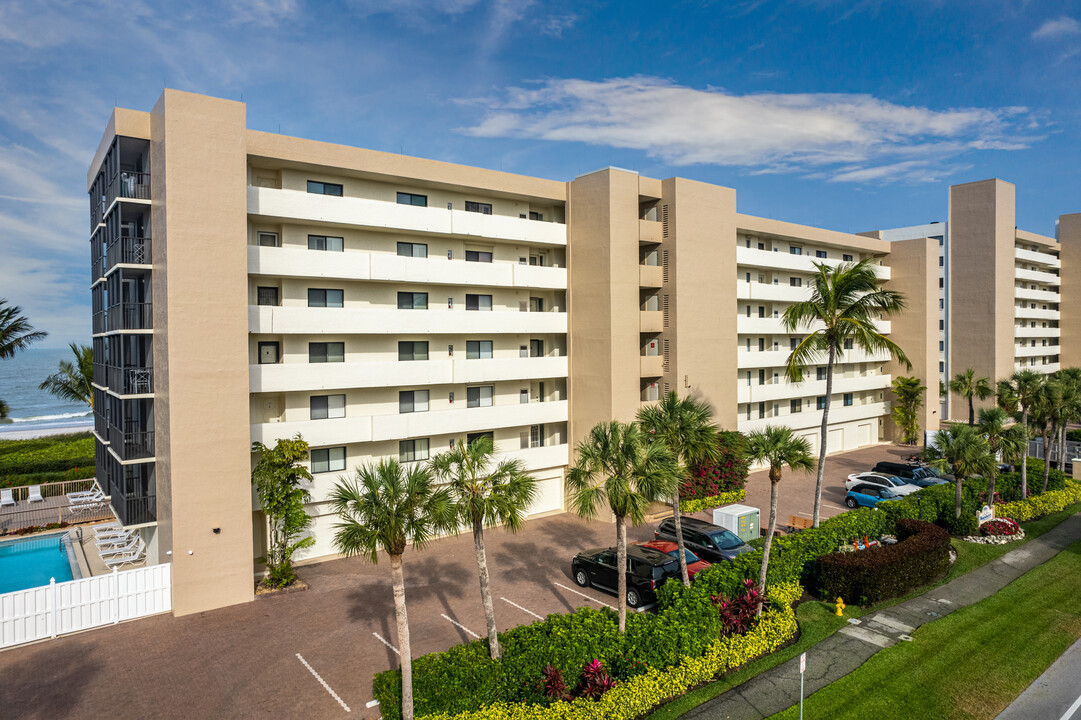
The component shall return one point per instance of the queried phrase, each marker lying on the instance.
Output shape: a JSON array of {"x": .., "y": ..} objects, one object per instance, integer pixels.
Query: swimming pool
[{"x": 31, "y": 562}]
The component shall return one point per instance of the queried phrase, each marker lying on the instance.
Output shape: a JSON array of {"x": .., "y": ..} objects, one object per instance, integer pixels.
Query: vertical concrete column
[
  {"x": 199, "y": 218},
  {"x": 1069, "y": 234}
]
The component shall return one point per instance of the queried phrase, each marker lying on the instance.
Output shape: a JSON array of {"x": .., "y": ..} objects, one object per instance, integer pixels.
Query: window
[
  {"x": 478, "y": 349},
  {"x": 941, "y": 282},
  {"x": 795, "y": 282},
  {"x": 820, "y": 253},
  {"x": 794, "y": 250},
  {"x": 536, "y": 348},
  {"x": 470, "y": 438},
  {"x": 820, "y": 373},
  {"x": 847, "y": 399},
  {"x": 268, "y": 353},
  {"x": 536, "y": 436},
  {"x": 748, "y": 311},
  {"x": 941, "y": 242},
  {"x": 328, "y": 459},
  {"x": 846, "y": 258},
  {"x": 761, "y": 246},
  {"x": 537, "y": 260},
  {"x": 761, "y": 377},
  {"x": 847, "y": 344},
  {"x": 793, "y": 343},
  {"x": 324, "y": 407},
  {"x": 748, "y": 412},
  {"x": 325, "y": 298},
  {"x": 761, "y": 311},
  {"x": 478, "y": 302},
  {"x": 478, "y": 207},
  {"x": 326, "y": 352},
  {"x": 761, "y": 410},
  {"x": 941, "y": 345},
  {"x": 412, "y": 199},
  {"x": 478, "y": 256},
  {"x": 268, "y": 239},
  {"x": 408, "y": 249},
  {"x": 795, "y": 406},
  {"x": 323, "y": 242},
  {"x": 761, "y": 344},
  {"x": 941, "y": 261},
  {"x": 412, "y": 301},
  {"x": 523, "y": 397},
  {"x": 820, "y": 402},
  {"x": 324, "y": 188},
  {"x": 535, "y": 215},
  {"x": 479, "y": 396},
  {"x": 941, "y": 366},
  {"x": 413, "y": 450},
  {"x": 412, "y": 401},
  {"x": 413, "y": 350},
  {"x": 267, "y": 296},
  {"x": 941, "y": 324},
  {"x": 941, "y": 304}
]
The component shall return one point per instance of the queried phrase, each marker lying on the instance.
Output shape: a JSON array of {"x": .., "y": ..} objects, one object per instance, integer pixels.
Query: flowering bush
[
  {"x": 1000, "y": 526},
  {"x": 738, "y": 615},
  {"x": 726, "y": 475}
]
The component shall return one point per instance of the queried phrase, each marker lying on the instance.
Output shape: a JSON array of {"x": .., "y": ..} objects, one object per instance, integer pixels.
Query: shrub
[
  {"x": 1000, "y": 526},
  {"x": 727, "y": 475},
  {"x": 725, "y": 498},
  {"x": 870, "y": 576},
  {"x": 737, "y": 615},
  {"x": 45, "y": 455},
  {"x": 1037, "y": 506},
  {"x": 1073, "y": 435},
  {"x": 82, "y": 472}
]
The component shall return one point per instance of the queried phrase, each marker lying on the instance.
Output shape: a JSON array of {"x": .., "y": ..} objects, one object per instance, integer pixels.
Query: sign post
[{"x": 802, "y": 667}]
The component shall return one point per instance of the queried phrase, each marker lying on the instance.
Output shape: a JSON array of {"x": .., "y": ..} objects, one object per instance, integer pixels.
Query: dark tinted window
[
  {"x": 412, "y": 199},
  {"x": 726, "y": 540},
  {"x": 324, "y": 188},
  {"x": 607, "y": 558}
]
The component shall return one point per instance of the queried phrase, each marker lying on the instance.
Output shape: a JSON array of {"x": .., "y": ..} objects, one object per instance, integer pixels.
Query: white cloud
[
  {"x": 769, "y": 131},
  {"x": 554, "y": 25},
  {"x": 1061, "y": 27}
]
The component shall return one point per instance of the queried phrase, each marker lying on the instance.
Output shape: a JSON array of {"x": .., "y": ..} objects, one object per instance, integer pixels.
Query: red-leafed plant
[
  {"x": 555, "y": 687},
  {"x": 727, "y": 474},
  {"x": 1000, "y": 526},
  {"x": 738, "y": 614},
  {"x": 595, "y": 681}
]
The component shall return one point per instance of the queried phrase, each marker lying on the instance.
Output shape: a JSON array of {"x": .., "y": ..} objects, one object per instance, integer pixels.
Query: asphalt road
[{"x": 1055, "y": 695}]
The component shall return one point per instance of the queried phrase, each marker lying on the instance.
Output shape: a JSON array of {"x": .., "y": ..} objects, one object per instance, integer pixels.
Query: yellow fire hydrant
[{"x": 840, "y": 607}]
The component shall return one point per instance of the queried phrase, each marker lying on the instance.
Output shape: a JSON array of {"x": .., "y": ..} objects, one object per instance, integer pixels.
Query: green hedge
[
  {"x": 867, "y": 577},
  {"x": 725, "y": 498},
  {"x": 77, "y": 473},
  {"x": 46, "y": 455},
  {"x": 1037, "y": 506}
]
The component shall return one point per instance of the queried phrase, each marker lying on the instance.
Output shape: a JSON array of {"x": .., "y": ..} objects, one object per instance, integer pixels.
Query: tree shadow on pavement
[{"x": 50, "y": 683}]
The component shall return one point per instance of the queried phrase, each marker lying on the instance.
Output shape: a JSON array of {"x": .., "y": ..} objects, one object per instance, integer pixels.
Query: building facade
[{"x": 248, "y": 287}]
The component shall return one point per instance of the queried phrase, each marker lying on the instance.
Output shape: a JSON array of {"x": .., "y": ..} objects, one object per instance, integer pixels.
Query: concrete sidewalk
[{"x": 836, "y": 656}]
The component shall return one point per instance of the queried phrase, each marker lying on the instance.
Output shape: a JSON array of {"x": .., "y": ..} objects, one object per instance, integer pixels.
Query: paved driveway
[{"x": 242, "y": 661}]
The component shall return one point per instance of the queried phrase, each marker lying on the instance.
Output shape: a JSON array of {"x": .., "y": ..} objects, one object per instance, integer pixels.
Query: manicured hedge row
[
  {"x": 1037, "y": 506},
  {"x": 76, "y": 473},
  {"x": 43, "y": 455},
  {"x": 725, "y": 498},
  {"x": 867, "y": 577},
  {"x": 635, "y": 696}
]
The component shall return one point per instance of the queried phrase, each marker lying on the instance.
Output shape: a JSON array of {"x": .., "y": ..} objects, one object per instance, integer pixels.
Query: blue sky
[{"x": 848, "y": 115}]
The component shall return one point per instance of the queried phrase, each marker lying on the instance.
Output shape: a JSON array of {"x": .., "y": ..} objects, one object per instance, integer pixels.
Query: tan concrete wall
[
  {"x": 914, "y": 272},
  {"x": 982, "y": 236},
  {"x": 200, "y": 353},
  {"x": 702, "y": 289},
  {"x": 603, "y": 300},
  {"x": 123, "y": 122},
  {"x": 1069, "y": 233}
]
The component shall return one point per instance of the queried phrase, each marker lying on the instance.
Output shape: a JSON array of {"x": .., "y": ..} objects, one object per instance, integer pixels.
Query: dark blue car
[{"x": 864, "y": 495}]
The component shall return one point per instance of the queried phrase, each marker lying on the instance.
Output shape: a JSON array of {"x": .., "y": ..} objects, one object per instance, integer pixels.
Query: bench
[{"x": 798, "y": 523}]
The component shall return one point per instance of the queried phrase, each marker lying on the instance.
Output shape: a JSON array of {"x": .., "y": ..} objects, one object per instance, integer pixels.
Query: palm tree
[
  {"x": 685, "y": 426},
  {"x": 964, "y": 452},
  {"x": 1044, "y": 411},
  {"x": 485, "y": 493},
  {"x": 1020, "y": 391},
  {"x": 968, "y": 386},
  {"x": 909, "y": 392},
  {"x": 16, "y": 332},
  {"x": 1071, "y": 408},
  {"x": 618, "y": 466},
  {"x": 845, "y": 301},
  {"x": 776, "y": 446},
  {"x": 72, "y": 383},
  {"x": 4, "y": 410},
  {"x": 1008, "y": 440},
  {"x": 381, "y": 509}
]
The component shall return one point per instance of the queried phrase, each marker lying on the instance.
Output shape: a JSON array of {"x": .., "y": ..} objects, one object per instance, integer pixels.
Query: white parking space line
[
  {"x": 324, "y": 683},
  {"x": 383, "y": 640},
  {"x": 583, "y": 595},
  {"x": 835, "y": 507},
  {"x": 805, "y": 514},
  {"x": 511, "y": 602},
  {"x": 1073, "y": 708},
  {"x": 459, "y": 625}
]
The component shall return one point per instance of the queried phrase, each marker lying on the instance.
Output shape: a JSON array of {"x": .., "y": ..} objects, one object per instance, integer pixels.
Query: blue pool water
[{"x": 29, "y": 563}]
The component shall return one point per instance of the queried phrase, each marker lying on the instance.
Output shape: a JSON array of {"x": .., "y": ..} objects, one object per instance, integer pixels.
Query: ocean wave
[{"x": 42, "y": 418}]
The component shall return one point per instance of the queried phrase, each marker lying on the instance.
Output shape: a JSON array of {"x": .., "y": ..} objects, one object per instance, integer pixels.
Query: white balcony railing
[
  {"x": 753, "y": 257},
  {"x": 813, "y": 419},
  {"x": 755, "y": 393},
  {"x": 1029, "y": 351},
  {"x": 779, "y": 358},
  {"x": 773, "y": 326},
  {"x": 391, "y": 321},
  {"x": 1040, "y": 258},
  {"x": 1036, "y": 332},
  {"x": 1045, "y": 278},
  {"x": 1035, "y": 313},
  {"x": 770, "y": 292},
  {"x": 1023, "y": 293}
]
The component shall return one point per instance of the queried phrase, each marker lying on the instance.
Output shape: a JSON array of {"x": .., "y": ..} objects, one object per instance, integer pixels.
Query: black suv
[
  {"x": 913, "y": 473},
  {"x": 706, "y": 540},
  {"x": 647, "y": 571}
]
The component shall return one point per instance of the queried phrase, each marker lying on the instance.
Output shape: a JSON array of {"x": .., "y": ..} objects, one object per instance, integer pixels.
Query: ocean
[{"x": 33, "y": 409}]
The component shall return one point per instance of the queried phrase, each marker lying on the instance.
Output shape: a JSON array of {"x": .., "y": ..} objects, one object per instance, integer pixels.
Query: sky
[{"x": 851, "y": 115}]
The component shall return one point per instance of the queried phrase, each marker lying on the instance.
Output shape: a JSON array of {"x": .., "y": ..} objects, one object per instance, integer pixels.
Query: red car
[{"x": 694, "y": 563}]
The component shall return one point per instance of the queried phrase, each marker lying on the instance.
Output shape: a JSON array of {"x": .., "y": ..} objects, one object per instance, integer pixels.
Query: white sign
[
  {"x": 802, "y": 662},
  {"x": 986, "y": 513}
]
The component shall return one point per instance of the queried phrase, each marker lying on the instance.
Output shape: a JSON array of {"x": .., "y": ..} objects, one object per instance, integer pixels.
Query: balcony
[
  {"x": 813, "y": 418},
  {"x": 302, "y": 376},
  {"x": 771, "y": 292},
  {"x": 650, "y": 232},
  {"x": 294, "y": 205},
  {"x": 652, "y": 321},
  {"x": 134, "y": 445},
  {"x": 1035, "y": 313},
  {"x": 1042, "y": 296},
  {"x": 770, "y": 260},
  {"x": 1029, "y": 351},
  {"x": 390, "y": 321},
  {"x": 126, "y": 250},
  {"x": 774, "y": 326},
  {"x": 131, "y": 380},
  {"x": 98, "y": 323},
  {"x": 1039, "y": 258},
  {"x": 130, "y": 316},
  {"x": 651, "y": 366},
  {"x": 784, "y": 390},
  {"x": 131, "y": 490},
  {"x": 1036, "y": 332},
  {"x": 650, "y": 276},
  {"x": 128, "y": 186},
  {"x": 1044, "y": 278}
]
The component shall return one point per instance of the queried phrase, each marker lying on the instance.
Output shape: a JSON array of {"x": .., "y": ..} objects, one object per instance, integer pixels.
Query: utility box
[{"x": 739, "y": 519}]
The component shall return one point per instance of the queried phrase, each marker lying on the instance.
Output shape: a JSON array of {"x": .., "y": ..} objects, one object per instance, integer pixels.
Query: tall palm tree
[
  {"x": 485, "y": 493},
  {"x": 969, "y": 386},
  {"x": 16, "y": 332},
  {"x": 1019, "y": 392},
  {"x": 777, "y": 446},
  {"x": 685, "y": 426},
  {"x": 382, "y": 508},
  {"x": 909, "y": 392},
  {"x": 1008, "y": 440},
  {"x": 1071, "y": 408},
  {"x": 963, "y": 451},
  {"x": 1045, "y": 409},
  {"x": 845, "y": 301},
  {"x": 72, "y": 382},
  {"x": 618, "y": 466}
]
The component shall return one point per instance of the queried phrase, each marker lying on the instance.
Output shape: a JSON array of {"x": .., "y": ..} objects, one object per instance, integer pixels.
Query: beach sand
[{"x": 38, "y": 432}]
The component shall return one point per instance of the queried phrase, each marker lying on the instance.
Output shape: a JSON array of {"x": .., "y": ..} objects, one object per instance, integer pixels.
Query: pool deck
[{"x": 52, "y": 509}]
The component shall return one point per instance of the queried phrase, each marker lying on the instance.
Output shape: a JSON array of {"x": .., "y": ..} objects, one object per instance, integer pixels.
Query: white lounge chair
[
  {"x": 116, "y": 540},
  {"x": 121, "y": 547},
  {"x": 35, "y": 494},
  {"x": 82, "y": 499},
  {"x": 138, "y": 554},
  {"x": 111, "y": 527},
  {"x": 110, "y": 533},
  {"x": 79, "y": 495},
  {"x": 6, "y": 498}
]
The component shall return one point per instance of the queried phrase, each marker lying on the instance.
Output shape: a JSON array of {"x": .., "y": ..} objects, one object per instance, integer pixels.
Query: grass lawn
[
  {"x": 817, "y": 620},
  {"x": 973, "y": 662}
]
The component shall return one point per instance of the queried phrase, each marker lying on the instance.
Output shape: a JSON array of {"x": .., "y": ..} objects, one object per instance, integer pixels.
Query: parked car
[
  {"x": 898, "y": 485},
  {"x": 911, "y": 473},
  {"x": 867, "y": 495},
  {"x": 647, "y": 570},
  {"x": 706, "y": 540},
  {"x": 695, "y": 564}
]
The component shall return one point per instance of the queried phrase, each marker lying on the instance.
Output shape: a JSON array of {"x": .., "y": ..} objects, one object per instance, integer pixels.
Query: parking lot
[{"x": 313, "y": 653}]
